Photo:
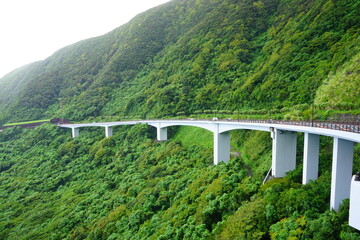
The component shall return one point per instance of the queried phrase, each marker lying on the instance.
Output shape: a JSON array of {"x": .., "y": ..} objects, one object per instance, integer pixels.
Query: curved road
[{"x": 348, "y": 131}]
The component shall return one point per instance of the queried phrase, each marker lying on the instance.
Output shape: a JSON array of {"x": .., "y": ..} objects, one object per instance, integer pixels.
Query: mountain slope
[
  {"x": 188, "y": 56},
  {"x": 185, "y": 56},
  {"x": 131, "y": 187}
]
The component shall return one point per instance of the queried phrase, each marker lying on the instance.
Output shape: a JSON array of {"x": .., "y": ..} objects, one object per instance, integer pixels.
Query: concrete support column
[
  {"x": 311, "y": 157},
  {"x": 283, "y": 152},
  {"x": 108, "y": 131},
  {"x": 161, "y": 133},
  {"x": 341, "y": 171},
  {"x": 354, "y": 211},
  {"x": 75, "y": 132},
  {"x": 221, "y": 146}
]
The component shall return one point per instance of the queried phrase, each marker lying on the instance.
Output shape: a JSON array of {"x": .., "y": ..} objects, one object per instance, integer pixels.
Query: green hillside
[
  {"x": 190, "y": 56},
  {"x": 131, "y": 187},
  {"x": 185, "y": 58}
]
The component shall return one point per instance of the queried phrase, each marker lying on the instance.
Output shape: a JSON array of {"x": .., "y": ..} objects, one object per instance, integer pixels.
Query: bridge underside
[{"x": 284, "y": 141}]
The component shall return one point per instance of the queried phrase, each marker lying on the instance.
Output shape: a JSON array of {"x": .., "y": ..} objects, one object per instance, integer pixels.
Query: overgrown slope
[
  {"x": 131, "y": 187},
  {"x": 187, "y": 56},
  {"x": 184, "y": 57}
]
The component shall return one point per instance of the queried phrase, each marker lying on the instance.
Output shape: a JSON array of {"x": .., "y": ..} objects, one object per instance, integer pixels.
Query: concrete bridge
[{"x": 284, "y": 140}]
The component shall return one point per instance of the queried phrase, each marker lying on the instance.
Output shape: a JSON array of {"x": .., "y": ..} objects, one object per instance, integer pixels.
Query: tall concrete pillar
[
  {"x": 341, "y": 172},
  {"x": 75, "y": 132},
  {"x": 311, "y": 157},
  {"x": 108, "y": 131},
  {"x": 221, "y": 146},
  {"x": 283, "y": 152},
  {"x": 354, "y": 211},
  {"x": 161, "y": 133}
]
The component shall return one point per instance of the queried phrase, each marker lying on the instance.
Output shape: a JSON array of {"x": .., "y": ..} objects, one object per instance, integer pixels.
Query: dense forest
[
  {"x": 131, "y": 187},
  {"x": 185, "y": 58},
  {"x": 188, "y": 56}
]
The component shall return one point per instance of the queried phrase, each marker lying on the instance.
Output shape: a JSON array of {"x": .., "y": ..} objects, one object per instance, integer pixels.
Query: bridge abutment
[
  {"x": 283, "y": 152},
  {"x": 311, "y": 157},
  {"x": 341, "y": 171}
]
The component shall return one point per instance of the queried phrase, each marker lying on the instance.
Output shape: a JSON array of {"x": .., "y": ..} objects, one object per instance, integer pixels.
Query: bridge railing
[{"x": 341, "y": 126}]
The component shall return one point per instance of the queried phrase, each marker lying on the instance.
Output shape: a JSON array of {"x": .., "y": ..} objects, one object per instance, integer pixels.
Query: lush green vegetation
[
  {"x": 192, "y": 56},
  {"x": 185, "y": 59},
  {"x": 185, "y": 135},
  {"x": 131, "y": 187}
]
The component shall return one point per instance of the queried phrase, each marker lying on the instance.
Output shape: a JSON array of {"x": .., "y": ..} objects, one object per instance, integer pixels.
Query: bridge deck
[{"x": 347, "y": 131}]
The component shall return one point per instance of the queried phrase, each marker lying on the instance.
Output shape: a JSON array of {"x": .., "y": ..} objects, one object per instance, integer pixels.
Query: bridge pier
[
  {"x": 75, "y": 132},
  {"x": 108, "y": 131},
  {"x": 283, "y": 152},
  {"x": 354, "y": 211},
  {"x": 341, "y": 171},
  {"x": 221, "y": 146},
  {"x": 161, "y": 133},
  {"x": 311, "y": 157}
]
